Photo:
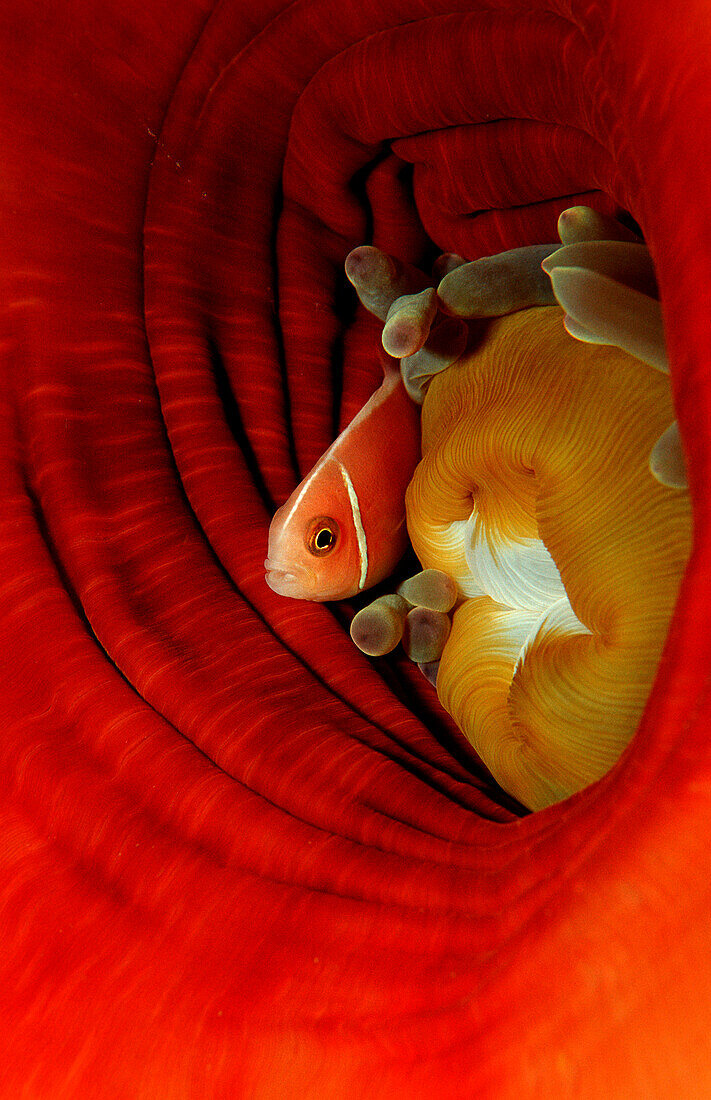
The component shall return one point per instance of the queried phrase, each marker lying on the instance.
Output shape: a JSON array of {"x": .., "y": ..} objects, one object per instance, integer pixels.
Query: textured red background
[{"x": 237, "y": 858}]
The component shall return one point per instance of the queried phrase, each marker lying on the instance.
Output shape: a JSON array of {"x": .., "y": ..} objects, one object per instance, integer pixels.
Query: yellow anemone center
[{"x": 534, "y": 493}]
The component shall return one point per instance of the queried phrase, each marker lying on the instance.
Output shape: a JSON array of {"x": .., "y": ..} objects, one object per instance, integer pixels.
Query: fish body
[{"x": 343, "y": 529}]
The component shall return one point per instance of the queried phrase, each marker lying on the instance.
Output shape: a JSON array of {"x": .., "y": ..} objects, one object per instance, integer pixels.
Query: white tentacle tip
[{"x": 666, "y": 461}]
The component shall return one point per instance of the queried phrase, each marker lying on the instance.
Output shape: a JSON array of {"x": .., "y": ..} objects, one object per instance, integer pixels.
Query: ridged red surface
[{"x": 237, "y": 858}]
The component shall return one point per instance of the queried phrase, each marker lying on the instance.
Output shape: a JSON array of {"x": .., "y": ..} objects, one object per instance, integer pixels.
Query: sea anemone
[{"x": 535, "y": 493}]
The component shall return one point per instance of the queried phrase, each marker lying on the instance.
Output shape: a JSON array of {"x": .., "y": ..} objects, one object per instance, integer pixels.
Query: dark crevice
[
  {"x": 278, "y": 337},
  {"x": 233, "y": 419}
]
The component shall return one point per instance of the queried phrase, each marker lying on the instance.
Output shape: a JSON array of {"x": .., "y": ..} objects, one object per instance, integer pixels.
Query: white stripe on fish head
[{"x": 357, "y": 523}]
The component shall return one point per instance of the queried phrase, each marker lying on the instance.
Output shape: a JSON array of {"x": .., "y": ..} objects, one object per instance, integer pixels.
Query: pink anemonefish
[{"x": 343, "y": 528}]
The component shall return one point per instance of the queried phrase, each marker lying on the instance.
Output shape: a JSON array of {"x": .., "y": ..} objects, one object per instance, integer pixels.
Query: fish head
[{"x": 317, "y": 547}]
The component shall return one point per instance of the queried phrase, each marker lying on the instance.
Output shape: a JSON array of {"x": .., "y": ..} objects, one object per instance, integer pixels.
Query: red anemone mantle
[{"x": 239, "y": 859}]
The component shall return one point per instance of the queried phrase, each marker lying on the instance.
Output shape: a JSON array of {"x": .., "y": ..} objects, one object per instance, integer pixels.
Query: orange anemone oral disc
[{"x": 535, "y": 494}]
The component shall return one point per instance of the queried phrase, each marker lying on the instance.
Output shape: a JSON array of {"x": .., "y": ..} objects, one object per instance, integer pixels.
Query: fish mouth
[{"x": 285, "y": 581}]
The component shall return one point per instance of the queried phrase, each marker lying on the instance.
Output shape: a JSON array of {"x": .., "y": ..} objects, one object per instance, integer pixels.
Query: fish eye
[{"x": 323, "y": 536}]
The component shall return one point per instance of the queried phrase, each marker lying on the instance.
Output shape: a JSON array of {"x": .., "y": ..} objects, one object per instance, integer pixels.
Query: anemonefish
[{"x": 343, "y": 528}]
